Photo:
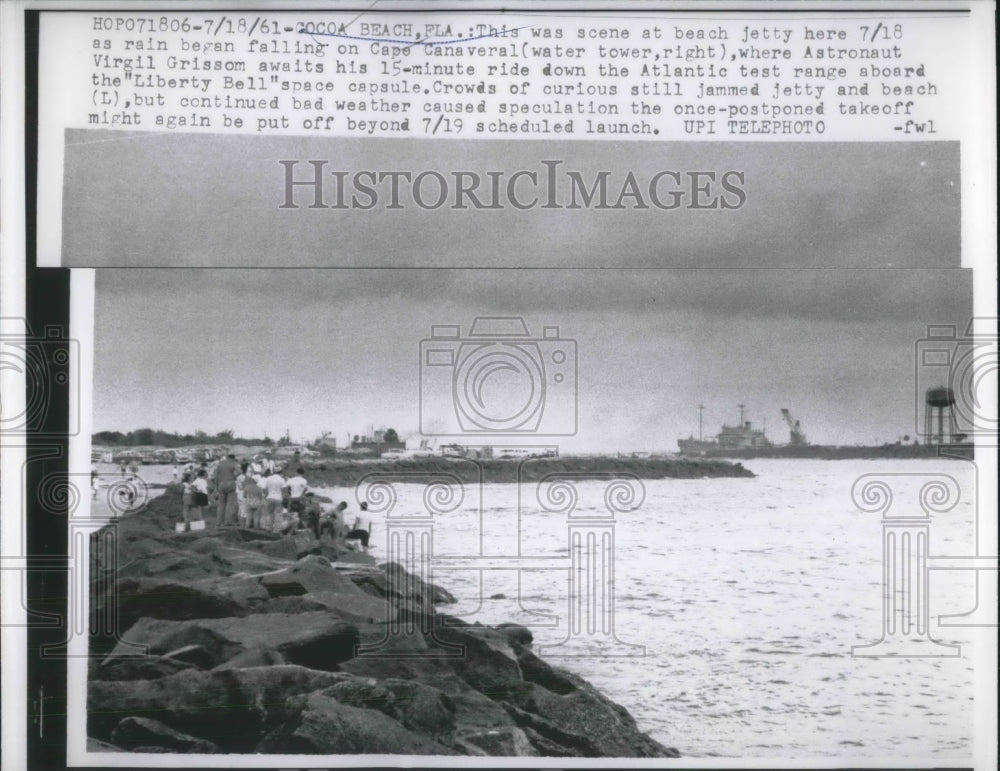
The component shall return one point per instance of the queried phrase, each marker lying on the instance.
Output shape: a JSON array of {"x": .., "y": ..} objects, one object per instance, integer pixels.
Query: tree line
[{"x": 145, "y": 436}]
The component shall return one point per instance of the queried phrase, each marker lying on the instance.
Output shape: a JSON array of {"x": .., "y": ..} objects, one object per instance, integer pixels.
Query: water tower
[{"x": 939, "y": 416}]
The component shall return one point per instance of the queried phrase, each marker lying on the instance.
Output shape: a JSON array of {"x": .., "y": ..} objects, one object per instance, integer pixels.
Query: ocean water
[
  {"x": 736, "y": 601},
  {"x": 745, "y": 595}
]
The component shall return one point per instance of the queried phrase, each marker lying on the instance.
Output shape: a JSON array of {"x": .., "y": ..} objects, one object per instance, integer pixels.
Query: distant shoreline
[{"x": 842, "y": 452}]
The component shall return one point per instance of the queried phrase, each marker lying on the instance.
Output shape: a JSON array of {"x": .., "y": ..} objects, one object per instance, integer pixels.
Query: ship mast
[
  {"x": 741, "y": 414},
  {"x": 701, "y": 409}
]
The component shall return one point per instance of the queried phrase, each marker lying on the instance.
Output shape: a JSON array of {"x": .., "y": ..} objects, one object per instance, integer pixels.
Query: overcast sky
[
  {"x": 322, "y": 350},
  {"x": 165, "y": 200},
  {"x": 812, "y": 296}
]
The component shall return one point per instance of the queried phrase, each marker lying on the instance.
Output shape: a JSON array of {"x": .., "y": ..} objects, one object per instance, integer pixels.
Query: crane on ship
[{"x": 797, "y": 438}]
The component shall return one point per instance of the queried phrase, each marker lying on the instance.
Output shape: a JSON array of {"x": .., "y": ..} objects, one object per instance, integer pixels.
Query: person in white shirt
[
  {"x": 253, "y": 490},
  {"x": 358, "y": 534},
  {"x": 297, "y": 487},
  {"x": 241, "y": 498},
  {"x": 189, "y": 509},
  {"x": 274, "y": 486},
  {"x": 199, "y": 490}
]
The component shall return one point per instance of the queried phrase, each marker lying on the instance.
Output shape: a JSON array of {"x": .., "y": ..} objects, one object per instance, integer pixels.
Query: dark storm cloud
[
  {"x": 214, "y": 200},
  {"x": 821, "y": 295}
]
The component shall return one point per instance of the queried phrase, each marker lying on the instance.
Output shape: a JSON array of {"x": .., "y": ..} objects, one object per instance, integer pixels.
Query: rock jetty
[
  {"x": 232, "y": 641},
  {"x": 336, "y": 472}
]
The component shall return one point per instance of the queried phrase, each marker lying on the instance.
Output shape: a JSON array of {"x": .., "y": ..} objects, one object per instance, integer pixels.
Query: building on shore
[
  {"x": 498, "y": 452},
  {"x": 377, "y": 442}
]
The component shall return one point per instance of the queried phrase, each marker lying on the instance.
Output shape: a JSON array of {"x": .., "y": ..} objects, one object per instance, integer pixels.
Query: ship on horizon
[
  {"x": 743, "y": 441},
  {"x": 742, "y": 436}
]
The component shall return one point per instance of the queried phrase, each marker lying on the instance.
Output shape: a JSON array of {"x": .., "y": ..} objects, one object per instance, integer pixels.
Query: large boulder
[
  {"x": 280, "y": 548},
  {"x": 395, "y": 651},
  {"x": 96, "y": 745},
  {"x": 173, "y": 564},
  {"x": 322, "y": 649},
  {"x": 325, "y": 726},
  {"x": 286, "y": 547},
  {"x": 319, "y": 639},
  {"x": 413, "y": 705},
  {"x": 516, "y": 634},
  {"x": 550, "y": 739},
  {"x": 427, "y": 594},
  {"x": 137, "y": 668},
  {"x": 315, "y": 578},
  {"x": 474, "y": 712},
  {"x": 171, "y": 599},
  {"x": 496, "y": 742},
  {"x": 231, "y": 557},
  {"x": 487, "y": 662},
  {"x": 535, "y": 670},
  {"x": 581, "y": 723},
  {"x": 231, "y": 708},
  {"x": 135, "y": 732}
]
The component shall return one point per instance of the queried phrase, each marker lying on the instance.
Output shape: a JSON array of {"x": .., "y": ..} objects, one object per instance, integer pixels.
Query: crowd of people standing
[{"x": 254, "y": 495}]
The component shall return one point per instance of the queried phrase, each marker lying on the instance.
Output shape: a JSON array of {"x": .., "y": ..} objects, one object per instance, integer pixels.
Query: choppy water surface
[{"x": 747, "y": 595}]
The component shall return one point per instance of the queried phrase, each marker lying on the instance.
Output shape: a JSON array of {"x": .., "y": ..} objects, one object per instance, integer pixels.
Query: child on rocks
[
  {"x": 189, "y": 509},
  {"x": 200, "y": 492}
]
